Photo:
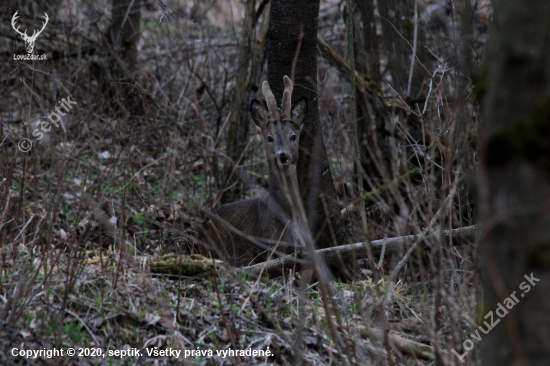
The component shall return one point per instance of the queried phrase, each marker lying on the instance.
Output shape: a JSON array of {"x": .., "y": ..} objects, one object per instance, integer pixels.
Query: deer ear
[
  {"x": 259, "y": 113},
  {"x": 299, "y": 112}
]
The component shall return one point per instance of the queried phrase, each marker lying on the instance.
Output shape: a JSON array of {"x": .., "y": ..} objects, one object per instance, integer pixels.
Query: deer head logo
[{"x": 29, "y": 40}]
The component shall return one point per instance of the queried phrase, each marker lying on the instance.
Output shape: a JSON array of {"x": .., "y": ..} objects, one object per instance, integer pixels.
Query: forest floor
[{"x": 110, "y": 305}]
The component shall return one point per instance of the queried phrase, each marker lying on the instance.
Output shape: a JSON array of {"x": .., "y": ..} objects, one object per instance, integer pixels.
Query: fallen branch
[
  {"x": 405, "y": 345},
  {"x": 274, "y": 268}
]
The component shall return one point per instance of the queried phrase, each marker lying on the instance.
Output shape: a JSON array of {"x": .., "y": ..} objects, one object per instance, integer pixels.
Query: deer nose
[{"x": 283, "y": 158}]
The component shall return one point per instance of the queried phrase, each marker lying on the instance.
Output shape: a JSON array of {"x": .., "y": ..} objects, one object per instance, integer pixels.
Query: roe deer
[{"x": 268, "y": 216}]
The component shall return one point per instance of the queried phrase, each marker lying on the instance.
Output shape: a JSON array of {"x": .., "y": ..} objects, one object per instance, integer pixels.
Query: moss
[
  {"x": 184, "y": 265},
  {"x": 373, "y": 84},
  {"x": 525, "y": 139}
]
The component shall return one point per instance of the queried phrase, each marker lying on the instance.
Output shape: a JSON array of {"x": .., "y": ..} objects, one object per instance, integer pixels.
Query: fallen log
[{"x": 275, "y": 267}]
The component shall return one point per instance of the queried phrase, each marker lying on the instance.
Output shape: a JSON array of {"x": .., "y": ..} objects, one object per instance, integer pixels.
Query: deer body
[{"x": 235, "y": 228}]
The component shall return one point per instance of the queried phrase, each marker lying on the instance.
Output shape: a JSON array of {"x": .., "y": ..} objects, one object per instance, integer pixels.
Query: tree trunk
[
  {"x": 370, "y": 54},
  {"x": 515, "y": 184},
  {"x": 123, "y": 34},
  {"x": 398, "y": 22},
  {"x": 371, "y": 114},
  {"x": 122, "y": 38},
  {"x": 238, "y": 125},
  {"x": 293, "y": 25}
]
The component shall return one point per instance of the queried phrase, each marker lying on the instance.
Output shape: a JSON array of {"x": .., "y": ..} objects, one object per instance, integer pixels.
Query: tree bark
[
  {"x": 398, "y": 23},
  {"x": 123, "y": 34},
  {"x": 238, "y": 125},
  {"x": 371, "y": 114},
  {"x": 369, "y": 55},
  {"x": 293, "y": 24},
  {"x": 514, "y": 188},
  {"x": 122, "y": 39}
]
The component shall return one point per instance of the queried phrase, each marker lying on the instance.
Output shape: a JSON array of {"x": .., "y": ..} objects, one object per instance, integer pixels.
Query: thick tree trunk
[
  {"x": 122, "y": 39},
  {"x": 515, "y": 185},
  {"x": 292, "y": 28},
  {"x": 123, "y": 33}
]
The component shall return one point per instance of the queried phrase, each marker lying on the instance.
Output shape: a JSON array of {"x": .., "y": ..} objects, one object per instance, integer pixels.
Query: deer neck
[{"x": 283, "y": 187}]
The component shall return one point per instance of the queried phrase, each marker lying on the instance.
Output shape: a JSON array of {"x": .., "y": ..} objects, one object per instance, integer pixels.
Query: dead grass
[{"x": 117, "y": 304}]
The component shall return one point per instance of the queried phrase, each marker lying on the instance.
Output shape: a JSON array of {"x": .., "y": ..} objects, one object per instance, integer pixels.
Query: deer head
[
  {"x": 29, "y": 40},
  {"x": 280, "y": 128}
]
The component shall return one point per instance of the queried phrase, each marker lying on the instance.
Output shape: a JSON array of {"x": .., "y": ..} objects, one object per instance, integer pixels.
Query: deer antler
[
  {"x": 287, "y": 97},
  {"x": 34, "y": 34},
  {"x": 25, "y": 35},
  {"x": 271, "y": 102},
  {"x": 15, "y": 16}
]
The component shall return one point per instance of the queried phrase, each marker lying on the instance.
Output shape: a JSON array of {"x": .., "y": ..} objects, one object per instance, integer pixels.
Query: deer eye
[
  {"x": 293, "y": 138},
  {"x": 269, "y": 139}
]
